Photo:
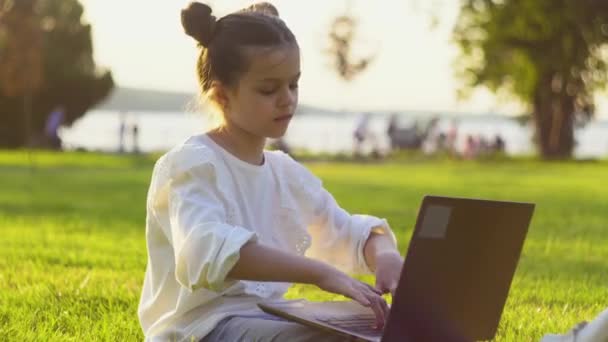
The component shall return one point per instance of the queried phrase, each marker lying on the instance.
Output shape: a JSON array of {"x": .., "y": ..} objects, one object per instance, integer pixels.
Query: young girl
[{"x": 228, "y": 224}]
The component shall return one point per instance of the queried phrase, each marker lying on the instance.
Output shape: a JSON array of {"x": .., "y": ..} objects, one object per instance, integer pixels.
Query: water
[{"x": 99, "y": 130}]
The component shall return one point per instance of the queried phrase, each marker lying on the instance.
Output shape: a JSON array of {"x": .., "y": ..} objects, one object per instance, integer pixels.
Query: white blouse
[{"x": 199, "y": 215}]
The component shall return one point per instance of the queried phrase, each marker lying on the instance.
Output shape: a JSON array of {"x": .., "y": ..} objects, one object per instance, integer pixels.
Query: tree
[
  {"x": 341, "y": 41},
  {"x": 341, "y": 37},
  {"x": 69, "y": 77},
  {"x": 550, "y": 54},
  {"x": 21, "y": 57}
]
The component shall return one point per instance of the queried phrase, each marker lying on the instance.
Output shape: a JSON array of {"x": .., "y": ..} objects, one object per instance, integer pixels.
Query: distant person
[
  {"x": 361, "y": 133},
  {"x": 122, "y": 130},
  {"x": 470, "y": 147},
  {"x": 392, "y": 130},
  {"x": 228, "y": 223},
  {"x": 499, "y": 144},
  {"x": 452, "y": 137},
  {"x": 442, "y": 141},
  {"x": 433, "y": 139},
  {"x": 483, "y": 145},
  {"x": 135, "y": 136},
  {"x": 51, "y": 128}
]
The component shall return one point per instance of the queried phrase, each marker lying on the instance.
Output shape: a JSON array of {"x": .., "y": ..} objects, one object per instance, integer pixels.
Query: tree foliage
[
  {"x": 341, "y": 39},
  {"x": 549, "y": 54},
  {"x": 68, "y": 76}
]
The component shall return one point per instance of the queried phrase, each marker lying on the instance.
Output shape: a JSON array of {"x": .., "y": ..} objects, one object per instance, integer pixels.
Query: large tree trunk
[
  {"x": 12, "y": 123},
  {"x": 554, "y": 122}
]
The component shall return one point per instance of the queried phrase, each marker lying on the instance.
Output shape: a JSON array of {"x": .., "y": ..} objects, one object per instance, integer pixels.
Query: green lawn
[{"x": 72, "y": 248}]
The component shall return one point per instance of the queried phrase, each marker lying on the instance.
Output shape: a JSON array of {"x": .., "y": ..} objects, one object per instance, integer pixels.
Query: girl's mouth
[{"x": 283, "y": 118}]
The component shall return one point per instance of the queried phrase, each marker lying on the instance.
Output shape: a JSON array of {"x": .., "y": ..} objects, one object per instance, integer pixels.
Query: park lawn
[{"x": 73, "y": 253}]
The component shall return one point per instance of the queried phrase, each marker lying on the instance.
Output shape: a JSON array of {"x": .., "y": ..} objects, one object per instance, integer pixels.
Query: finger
[
  {"x": 386, "y": 308},
  {"x": 378, "y": 304},
  {"x": 378, "y": 311},
  {"x": 361, "y": 298},
  {"x": 376, "y": 289},
  {"x": 382, "y": 305}
]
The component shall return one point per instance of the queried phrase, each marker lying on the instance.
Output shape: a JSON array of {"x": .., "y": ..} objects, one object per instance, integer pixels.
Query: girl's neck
[{"x": 240, "y": 143}]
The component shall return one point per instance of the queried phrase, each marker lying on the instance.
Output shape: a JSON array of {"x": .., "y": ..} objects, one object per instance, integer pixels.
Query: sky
[{"x": 143, "y": 43}]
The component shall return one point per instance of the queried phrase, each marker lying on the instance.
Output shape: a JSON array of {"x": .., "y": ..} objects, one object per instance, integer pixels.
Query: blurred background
[{"x": 523, "y": 77}]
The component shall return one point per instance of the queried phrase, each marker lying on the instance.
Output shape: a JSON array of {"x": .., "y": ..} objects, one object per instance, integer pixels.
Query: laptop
[{"x": 454, "y": 283}]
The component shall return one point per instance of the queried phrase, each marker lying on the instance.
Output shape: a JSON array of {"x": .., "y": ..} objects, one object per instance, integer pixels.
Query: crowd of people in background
[
  {"x": 475, "y": 145},
  {"x": 479, "y": 145},
  {"x": 429, "y": 137}
]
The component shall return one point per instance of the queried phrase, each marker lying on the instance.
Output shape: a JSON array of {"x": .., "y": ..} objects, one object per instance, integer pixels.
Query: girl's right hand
[{"x": 366, "y": 295}]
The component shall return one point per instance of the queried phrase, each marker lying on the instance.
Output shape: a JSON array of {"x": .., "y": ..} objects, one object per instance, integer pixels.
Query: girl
[{"x": 229, "y": 224}]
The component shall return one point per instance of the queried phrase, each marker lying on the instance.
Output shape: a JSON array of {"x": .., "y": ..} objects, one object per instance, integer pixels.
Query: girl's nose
[{"x": 288, "y": 97}]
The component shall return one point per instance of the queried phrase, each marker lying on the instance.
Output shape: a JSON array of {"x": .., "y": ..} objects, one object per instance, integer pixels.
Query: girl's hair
[{"x": 223, "y": 56}]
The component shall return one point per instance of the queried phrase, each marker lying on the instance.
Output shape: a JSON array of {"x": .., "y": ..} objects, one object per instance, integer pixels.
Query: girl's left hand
[{"x": 388, "y": 270}]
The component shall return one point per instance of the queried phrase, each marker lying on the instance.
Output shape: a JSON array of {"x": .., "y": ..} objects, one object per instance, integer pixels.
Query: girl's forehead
[{"x": 274, "y": 63}]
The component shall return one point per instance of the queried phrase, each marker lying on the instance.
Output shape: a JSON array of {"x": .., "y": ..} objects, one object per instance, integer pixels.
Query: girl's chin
[
  {"x": 277, "y": 129},
  {"x": 276, "y": 134}
]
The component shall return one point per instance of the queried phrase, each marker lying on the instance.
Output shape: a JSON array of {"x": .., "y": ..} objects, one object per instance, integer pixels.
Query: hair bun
[
  {"x": 264, "y": 8},
  {"x": 198, "y": 22}
]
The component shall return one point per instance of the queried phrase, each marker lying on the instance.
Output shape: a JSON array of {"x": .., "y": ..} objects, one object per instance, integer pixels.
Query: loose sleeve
[
  {"x": 337, "y": 237},
  {"x": 206, "y": 247}
]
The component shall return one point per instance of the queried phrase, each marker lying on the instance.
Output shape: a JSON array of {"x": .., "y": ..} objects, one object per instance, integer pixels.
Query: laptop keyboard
[{"x": 361, "y": 324}]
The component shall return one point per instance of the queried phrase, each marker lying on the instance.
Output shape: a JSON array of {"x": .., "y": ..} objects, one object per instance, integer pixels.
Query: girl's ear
[{"x": 218, "y": 93}]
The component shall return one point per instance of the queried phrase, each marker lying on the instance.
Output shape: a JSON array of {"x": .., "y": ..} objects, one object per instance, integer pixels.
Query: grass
[{"x": 73, "y": 254}]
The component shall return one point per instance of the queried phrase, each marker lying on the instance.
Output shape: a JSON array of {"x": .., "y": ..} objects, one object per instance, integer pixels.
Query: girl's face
[{"x": 265, "y": 98}]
